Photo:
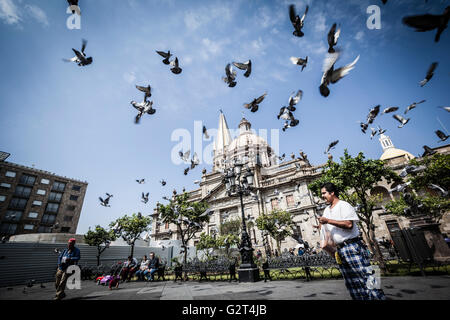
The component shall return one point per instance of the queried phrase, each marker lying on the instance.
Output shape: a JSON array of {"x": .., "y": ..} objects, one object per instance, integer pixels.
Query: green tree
[
  {"x": 99, "y": 238},
  {"x": 355, "y": 178},
  {"x": 278, "y": 223},
  {"x": 434, "y": 204},
  {"x": 131, "y": 227},
  {"x": 207, "y": 242},
  {"x": 187, "y": 216},
  {"x": 227, "y": 241},
  {"x": 231, "y": 227}
]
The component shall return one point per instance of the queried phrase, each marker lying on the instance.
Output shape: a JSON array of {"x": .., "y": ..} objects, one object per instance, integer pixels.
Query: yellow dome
[{"x": 394, "y": 153}]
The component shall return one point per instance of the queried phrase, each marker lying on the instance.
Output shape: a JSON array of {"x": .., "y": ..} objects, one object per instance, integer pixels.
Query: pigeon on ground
[
  {"x": 147, "y": 90},
  {"x": 140, "y": 181},
  {"x": 176, "y": 69},
  {"x": 143, "y": 107},
  {"x": 389, "y": 109},
  {"x": 300, "y": 61},
  {"x": 428, "y": 151},
  {"x": 163, "y": 183},
  {"x": 205, "y": 132},
  {"x": 443, "y": 192},
  {"x": 428, "y": 22},
  {"x": 297, "y": 23},
  {"x": 413, "y": 105},
  {"x": 184, "y": 156},
  {"x": 441, "y": 135},
  {"x": 332, "y": 76},
  {"x": 254, "y": 105},
  {"x": 429, "y": 75},
  {"x": 333, "y": 37},
  {"x": 105, "y": 202},
  {"x": 400, "y": 119},
  {"x": 373, "y": 114},
  {"x": 80, "y": 57},
  {"x": 445, "y": 108},
  {"x": 165, "y": 55},
  {"x": 230, "y": 76},
  {"x": 244, "y": 66},
  {"x": 145, "y": 197},
  {"x": 331, "y": 146}
]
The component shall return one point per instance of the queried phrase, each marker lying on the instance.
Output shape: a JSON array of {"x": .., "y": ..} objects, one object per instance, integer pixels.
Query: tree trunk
[
  {"x": 132, "y": 250},
  {"x": 377, "y": 251},
  {"x": 98, "y": 256}
]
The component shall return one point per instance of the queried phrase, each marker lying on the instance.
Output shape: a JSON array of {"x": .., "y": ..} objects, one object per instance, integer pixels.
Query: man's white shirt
[{"x": 341, "y": 211}]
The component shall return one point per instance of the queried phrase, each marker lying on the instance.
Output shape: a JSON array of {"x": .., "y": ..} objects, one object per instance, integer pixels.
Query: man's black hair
[{"x": 330, "y": 187}]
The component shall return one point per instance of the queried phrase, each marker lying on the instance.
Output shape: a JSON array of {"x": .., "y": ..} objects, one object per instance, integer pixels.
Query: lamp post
[{"x": 239, "y": 182}]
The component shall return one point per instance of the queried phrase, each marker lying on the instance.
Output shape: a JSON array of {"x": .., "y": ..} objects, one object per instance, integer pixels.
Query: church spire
[
  {"x": 223, "y": 138},
  {"x": 386, "y": 142}
]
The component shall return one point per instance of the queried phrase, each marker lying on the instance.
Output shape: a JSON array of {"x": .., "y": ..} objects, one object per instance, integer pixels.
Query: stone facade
[
  {"x": 34, "y": 201},
  {"x": 278, "y": 185}
]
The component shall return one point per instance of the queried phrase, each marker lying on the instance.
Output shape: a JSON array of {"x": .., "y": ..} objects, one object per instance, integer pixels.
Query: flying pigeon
[
  {"x": 293, "y": 100},
  {"x": 381, "y": 131},
  {"x": 297, "y": 23},
  {"x": 244, "y": 66},
  {"x": 411, "y": 169},
  {"x": 230, "y": 76},
  {"x": 163, "y": 183},
  {"x": 147, "y": 90},
  {"x": 331, "y": 146},
  {"x": 384, "y": 1},
  {"x": 254, "y": 105},
  {"x": 166, "y": 56},
  {"x": 141, "y": 181},
  {"x": 400, "y": 187},
  {"x": 184, "y": 156},
  {"x": 429, "y": 75},
  {"x": 390, "y": 109},
  {"x": 333, "y": 37},
  {"x": 446, "y": 108},
  {"x": 72, "y": 3},
  {"x": 428, "y": 151},
  {"x": 80, "y": 57},
  {"x": 332, "y": 76},
  {"x": 413, "y": 105},
  {"x": 363, "y": 126},
  {"x": 373, "y": 114},
  {"x": 428, "y": 22},
  {"x": 145, "y": 197},
  {"x": 291, "y": 124},
  {"x": 205, "y": 132},
  {"x": 300, "y": 61},
  {"x": 400, "y": 119},
  {"x": 105, "y": 202},
  {"x": 374, "y": 132},
  {"x": 186, "y": 170},
  {"x": 441, "y": 135},
  {"x": 282, "y": 157},
  {"x": 195, "y": 160},
  {"x": 176, "y": 69},
  {"x": 143, "y": 107},
  {"x": 443, "y": 192}
]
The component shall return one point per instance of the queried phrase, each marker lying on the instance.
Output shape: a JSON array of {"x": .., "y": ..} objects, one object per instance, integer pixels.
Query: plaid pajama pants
[{"x": 356, "y": 270}]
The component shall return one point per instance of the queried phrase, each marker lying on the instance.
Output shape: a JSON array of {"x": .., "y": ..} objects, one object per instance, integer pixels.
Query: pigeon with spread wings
[
  {"x": 80, "y": 57},
  {"x": 400, "y": 119},
  {"x": 176, "y": 68},
  {"x": 254, "y": 105},
  {"x": 247, "y": 66},
  {"x": 333, "y": 36},
  {"x": 297, "y": 23},
  {"x": 332, "y": 76},
  {"x": 299, "y": 61},
  {"x": 165, "y": 55},
  {"x": 428, "y": 22},
  {"x": 331, "y": 146},
  {"x": 230, "y": 76},
  {"x": 429, "y": 75}
]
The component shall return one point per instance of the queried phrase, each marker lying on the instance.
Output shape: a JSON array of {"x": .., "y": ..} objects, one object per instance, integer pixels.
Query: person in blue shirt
[{"x": 70, "y": 256}]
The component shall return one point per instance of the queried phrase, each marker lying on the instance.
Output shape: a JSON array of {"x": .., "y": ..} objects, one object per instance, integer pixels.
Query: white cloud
[
  {"x": 320, "y": 25},
  {"x": 359, "y": 35},
  {"x": 211, "y": 48},
  {"x": 37, "y": 13},
  {"x": 9, "y": 13},
  {"x": 194, "y": 19},
  {"x": 129, "y": 77}
]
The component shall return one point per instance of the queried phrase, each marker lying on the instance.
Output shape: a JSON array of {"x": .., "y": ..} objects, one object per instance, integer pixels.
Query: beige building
[
  {"x": 277, "y": 185},
  {"x": 37, "y": 201}
]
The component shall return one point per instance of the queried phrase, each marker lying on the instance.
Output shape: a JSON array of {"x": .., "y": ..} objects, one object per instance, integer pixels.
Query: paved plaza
[{"x": 395, "y": 288}]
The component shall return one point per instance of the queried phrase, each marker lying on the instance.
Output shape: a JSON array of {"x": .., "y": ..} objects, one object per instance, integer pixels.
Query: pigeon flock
[{"x": 331, "y": 75}]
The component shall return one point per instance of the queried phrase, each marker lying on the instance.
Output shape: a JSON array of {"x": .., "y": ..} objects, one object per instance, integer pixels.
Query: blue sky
[{"x": 78, "y": 122}]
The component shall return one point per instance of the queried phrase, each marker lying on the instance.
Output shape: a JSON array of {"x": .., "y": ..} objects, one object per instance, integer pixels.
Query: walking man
[
  {"x": 70, "y": 256},
  {"x": 340, "y": 220}
]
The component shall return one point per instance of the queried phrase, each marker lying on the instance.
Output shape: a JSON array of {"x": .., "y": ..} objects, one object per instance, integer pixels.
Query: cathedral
[{"x": 277, "y": 185}]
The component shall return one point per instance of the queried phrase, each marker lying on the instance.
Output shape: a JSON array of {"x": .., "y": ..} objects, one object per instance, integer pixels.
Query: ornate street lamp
[{"x": 239, "y": 182}]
